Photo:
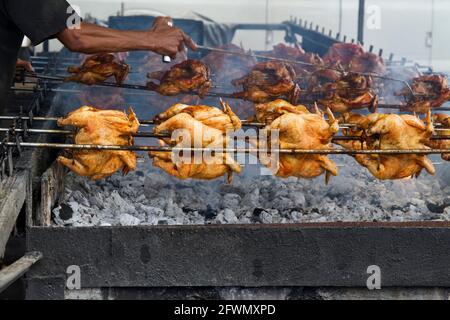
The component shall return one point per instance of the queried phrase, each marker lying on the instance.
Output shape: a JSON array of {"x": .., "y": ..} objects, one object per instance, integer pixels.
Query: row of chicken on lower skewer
[
  {"x": 343, "y": 80},
  {"x": 297, "y": 128}
]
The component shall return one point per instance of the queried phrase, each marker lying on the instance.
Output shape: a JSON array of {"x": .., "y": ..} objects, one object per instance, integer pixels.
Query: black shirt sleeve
[{"x": 40, "y": 20}]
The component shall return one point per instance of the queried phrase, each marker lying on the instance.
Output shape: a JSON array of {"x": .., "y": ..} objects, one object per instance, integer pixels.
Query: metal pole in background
[
  {"x": 340, "y": 17},
  {"x": 361, "y": 14},
  {"x": 429, "y": 40}
]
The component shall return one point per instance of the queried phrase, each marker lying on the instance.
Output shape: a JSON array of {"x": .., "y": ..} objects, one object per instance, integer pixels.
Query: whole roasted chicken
[
  {"x": 428, "y": 92},
  {"x": 190, "y": 76},
  {"x": 268, "y": 81},
  {"x": 444, "y": 120},
  {"x": 227, "y": 67},
  {"x": 101, "y": 127},
  {"x": 98, "y": 68},
  {"x": 353, "y": 58},
  {"x": 302, "y": 130},
  {"x": 389, "y": 132},
  {"x": 351, "y": 91},
  {"x": 200, "y": 127}
]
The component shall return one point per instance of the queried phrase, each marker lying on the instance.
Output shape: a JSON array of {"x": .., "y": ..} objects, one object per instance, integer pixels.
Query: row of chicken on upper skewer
[
  {"x": 345, "y": 79},
  {"x": 298, "y": 129}
]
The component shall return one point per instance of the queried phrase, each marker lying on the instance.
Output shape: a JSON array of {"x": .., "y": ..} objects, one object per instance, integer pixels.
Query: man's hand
[
  {"x": 22, "y": 64},
  {"x": 168, "y": 40}
]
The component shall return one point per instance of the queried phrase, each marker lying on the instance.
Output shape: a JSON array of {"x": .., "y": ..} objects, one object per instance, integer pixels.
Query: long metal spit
[{"x": 217, "y": 150}]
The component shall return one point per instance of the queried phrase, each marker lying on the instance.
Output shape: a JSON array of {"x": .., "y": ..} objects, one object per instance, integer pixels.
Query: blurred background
[{"x": 416, "y": 29}]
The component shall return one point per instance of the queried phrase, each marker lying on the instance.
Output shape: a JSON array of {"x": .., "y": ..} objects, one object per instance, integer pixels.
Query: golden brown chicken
[
  {"x": 190, "y": 76},
  {"x": 268, "y": 81},
  {"x": 197, "y": 126},
  {"x": 444, "y": 120},
  {"x": 223, "y": 120},
  {"x": 301, "y": 130},
  {"x": 101, "y": 127},
  {"x": 351, "y": 91},
  {"x": 98, "y": 68},
  {"x": 227, "y": 67},
  {"x": 388, "y": 132},
  {"x": 429, "y": 92}
]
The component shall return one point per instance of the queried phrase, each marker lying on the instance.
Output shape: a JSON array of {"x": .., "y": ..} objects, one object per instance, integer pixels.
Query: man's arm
[{"x": 162, "y": 39}]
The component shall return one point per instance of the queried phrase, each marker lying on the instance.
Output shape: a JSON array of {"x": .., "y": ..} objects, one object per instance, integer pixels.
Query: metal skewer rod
[
  {"x": 218, "y": 150},
  {"x": 163, "y": 135},
  {"x": 146, "y": 123}
]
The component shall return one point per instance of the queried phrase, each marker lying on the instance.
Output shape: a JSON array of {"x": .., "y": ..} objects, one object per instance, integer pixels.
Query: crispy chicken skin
[
  {"x": 444, "y": 120},
  {"x": 267, "y": 112},
  {"x": 387, "y": 132},
  {"x": 302, "y": 130},
  {"x": 101, "y": 127},
  {"x": 190, "y": 76},
  {"x": 204, "y": 127},
  {"x": 431, "y": 91},
  {"x": 223, "y": 120},
  {"x": 98, "y": 68},
  {"x": 268, "y": 81}
]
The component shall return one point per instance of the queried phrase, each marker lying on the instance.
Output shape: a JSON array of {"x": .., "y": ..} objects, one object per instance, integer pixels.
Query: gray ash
[{"x": 148, "y": 196}]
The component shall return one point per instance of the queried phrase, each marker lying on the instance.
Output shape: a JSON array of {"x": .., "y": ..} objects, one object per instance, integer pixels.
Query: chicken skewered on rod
[
  {"x": 190, "y": 76},
  {"x": 297, "y": 128},
  {"x": 387, "y": 132},
  {"x": 268, "y": 81},
  {"x": 97, "y": 69},
  {"x": 431, "y": 91},
  {"x": 197, "y": 126},
  {"x": 101, "y": 127},
  {"x": 444, "y": 120}
]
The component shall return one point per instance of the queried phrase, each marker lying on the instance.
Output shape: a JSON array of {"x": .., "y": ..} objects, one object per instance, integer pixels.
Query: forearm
[{"x": 91, "y": 38}]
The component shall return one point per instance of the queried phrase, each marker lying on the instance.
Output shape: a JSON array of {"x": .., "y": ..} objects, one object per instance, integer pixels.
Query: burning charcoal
[
  {"x": 209, "y": 213},
  {"x": 231, "y": 201},
  {"x": 128, "y": 220},
  {"x": 436, "y": 208},
  {"x": 251, "y": 199},
  {"x": 65, "y": 212},
  {"x": 139, "y": 174},
  {"x": 230, "y": 216}
]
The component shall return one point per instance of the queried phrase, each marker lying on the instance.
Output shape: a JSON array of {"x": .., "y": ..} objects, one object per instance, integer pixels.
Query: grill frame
[{"x": 409, "y": 254}]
